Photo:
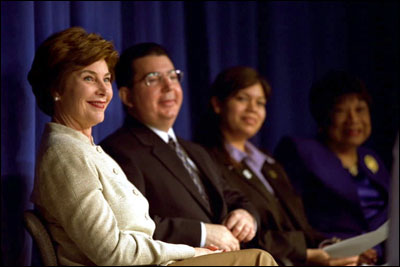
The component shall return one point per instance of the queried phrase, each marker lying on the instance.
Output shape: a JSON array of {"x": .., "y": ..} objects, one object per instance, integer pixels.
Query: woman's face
[
  {"x": 350, "y": 122},
  {"x": 85, "y": 97},
  {"x": 243, "y": 113}
]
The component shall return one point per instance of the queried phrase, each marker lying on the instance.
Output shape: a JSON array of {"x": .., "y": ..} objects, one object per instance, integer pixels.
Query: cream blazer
[{"x": 95, "y": 215}]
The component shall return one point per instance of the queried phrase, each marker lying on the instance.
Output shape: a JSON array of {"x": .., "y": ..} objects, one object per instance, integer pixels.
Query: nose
[
  {"x": 251, "y": 106},
  {"x": 352, "y": 115},
  {"x": 102, "y": 88},
  {"x": 166, "y": 83}
]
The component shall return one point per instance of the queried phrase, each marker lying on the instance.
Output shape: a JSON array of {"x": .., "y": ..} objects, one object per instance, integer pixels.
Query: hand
[
  {"x": 204, "y": 251},
  {"x": 369, "y": 257},
  {"x": 241, "y": 224},
  {"x": 320, "y": 257},
  {"x": 221, "y": 237}
]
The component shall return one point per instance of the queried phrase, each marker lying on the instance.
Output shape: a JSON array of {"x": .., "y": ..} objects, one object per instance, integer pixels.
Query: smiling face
[
  {"x": 243, "y": 114},
  {"x": 85, "y": 97},
  {"x": 159, "y": 105},
  {"x": 350, "y": 122}
]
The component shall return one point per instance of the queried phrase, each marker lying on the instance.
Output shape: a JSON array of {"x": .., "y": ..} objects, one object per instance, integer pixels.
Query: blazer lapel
[
  {"x": 283, "y": 189},
  {"x": 254, "y": 181},
  {"x": 328, "y": 168}
]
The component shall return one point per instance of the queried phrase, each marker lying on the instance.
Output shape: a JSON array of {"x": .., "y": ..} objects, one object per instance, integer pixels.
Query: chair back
[{"x": 40, "y": 235}]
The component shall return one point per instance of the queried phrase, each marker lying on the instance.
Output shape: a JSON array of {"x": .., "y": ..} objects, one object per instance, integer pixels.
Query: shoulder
[
  {"x": 64, "y": 159},
  {"x": 300, "y": 142},
  {"x": 62, "y": 145},
  {"x": 300, "y": 147}
]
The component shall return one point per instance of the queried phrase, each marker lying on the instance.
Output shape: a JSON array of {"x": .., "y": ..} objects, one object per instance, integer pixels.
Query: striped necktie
[{"x": 190, "y": 167}]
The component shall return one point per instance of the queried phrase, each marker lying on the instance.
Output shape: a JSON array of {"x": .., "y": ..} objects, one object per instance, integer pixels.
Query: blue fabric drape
[{"x": 291, "y": 43}]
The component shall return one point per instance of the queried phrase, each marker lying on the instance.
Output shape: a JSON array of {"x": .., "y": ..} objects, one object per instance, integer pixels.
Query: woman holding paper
[{"x": 344, "y": 186}]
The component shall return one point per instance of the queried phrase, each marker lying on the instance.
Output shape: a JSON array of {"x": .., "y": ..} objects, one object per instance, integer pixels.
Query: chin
[{"x": 97, "y": 121}]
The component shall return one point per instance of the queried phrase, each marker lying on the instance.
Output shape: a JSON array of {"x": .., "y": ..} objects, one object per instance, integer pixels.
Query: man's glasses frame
[{"x": 154, "y": 79}]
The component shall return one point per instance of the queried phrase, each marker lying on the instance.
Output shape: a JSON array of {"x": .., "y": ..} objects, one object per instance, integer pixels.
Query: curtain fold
[{"x": 290, "y": 43}]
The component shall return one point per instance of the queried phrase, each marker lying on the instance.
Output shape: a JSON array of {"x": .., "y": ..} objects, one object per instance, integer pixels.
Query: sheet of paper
[{"x": 357, "y": 245}]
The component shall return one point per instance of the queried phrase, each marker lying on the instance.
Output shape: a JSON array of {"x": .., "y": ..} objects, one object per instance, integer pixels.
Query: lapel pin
[
  {"x": 371, "y": 163},
  {"x": 272, "y": 174},
  {"x": 247, "y": 174}
]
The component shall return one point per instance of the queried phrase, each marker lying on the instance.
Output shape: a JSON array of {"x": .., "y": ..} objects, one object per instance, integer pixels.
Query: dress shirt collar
[
  {"x": 164, "y": 135},
  {"x": 252, "y": 154}
]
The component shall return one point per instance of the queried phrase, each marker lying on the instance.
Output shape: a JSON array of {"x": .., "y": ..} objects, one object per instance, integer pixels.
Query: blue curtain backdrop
[{"x": 291, "y": 43}]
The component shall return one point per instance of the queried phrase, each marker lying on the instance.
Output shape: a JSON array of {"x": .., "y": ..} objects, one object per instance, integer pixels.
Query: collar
[
  {"x": 164, "y": 135},
  {"x": 60, "y": 128},
  {"x": 252, "y": 153}
]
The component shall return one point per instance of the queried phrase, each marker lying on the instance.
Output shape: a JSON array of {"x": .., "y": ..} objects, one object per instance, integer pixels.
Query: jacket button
[
  {"x": 98, "y": 148},
  {"x": 115, "y": 171}
]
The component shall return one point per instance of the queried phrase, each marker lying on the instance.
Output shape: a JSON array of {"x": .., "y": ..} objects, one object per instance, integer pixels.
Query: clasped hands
[{"x": 238, "y": 226}]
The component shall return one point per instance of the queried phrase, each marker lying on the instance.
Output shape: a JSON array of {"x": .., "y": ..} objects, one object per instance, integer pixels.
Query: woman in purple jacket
[{"x": 344, "y": 186}]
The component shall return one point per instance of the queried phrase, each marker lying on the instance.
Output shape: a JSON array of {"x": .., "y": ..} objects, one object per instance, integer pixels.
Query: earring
[{"x": 56, "y": 98}]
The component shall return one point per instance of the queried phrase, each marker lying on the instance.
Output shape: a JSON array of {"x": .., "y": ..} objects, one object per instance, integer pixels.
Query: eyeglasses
[{"x": 154, "y": 79}]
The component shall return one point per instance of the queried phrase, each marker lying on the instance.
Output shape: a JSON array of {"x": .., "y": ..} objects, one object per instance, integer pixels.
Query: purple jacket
[{"x": 328, "y": 190}]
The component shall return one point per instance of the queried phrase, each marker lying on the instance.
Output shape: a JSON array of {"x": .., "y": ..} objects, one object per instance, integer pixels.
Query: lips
[
  {"x": 168, "y": 99},
  {"x": 353, "y": 132},
  {"x": 98, "y": 104},
  {"x": 249, "y": 120}
]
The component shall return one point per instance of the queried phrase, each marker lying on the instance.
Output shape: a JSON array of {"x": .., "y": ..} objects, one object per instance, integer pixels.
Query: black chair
[{"x": 40, "y": 235}]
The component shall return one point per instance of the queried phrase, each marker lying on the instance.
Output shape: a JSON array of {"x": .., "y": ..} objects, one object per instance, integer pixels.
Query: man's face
[{"x": 156, "y": 100}]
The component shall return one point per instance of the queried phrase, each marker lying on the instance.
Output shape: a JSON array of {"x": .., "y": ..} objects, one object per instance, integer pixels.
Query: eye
[
  {"x": 88, "y": 78},
  {"x": 173, "y": 76},
  {"x": 261, "y": 103},
  {"x": 152, "y": 79},
  {"x": 107, "y": 79},
  {"x": 241, "y": 98}
]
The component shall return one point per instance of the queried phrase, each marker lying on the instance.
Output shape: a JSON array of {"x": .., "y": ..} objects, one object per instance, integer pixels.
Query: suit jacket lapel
[
  {"x": 254, "y": 181},
  {"x": 202, "y": 167},
  {"x": 283, "y": 189},
  {"x": 167, "y": 157},
  {"x": 198, "y": 160}
]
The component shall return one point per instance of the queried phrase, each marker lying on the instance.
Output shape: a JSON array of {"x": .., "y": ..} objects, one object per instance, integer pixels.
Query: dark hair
[
  {"x": 325, "y": 93},
  {"x": 233, "y": 79},
  {"x": 61, "y": 54},
  {"x": 124, "y": 69},
  {"x": 226, "y": 84}
]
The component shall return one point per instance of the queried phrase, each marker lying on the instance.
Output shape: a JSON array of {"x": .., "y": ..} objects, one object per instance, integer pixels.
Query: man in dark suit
[{"x": 189, "y": 201}]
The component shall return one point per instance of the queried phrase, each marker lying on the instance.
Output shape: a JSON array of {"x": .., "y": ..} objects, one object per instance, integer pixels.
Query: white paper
[{"x": 357, "y": 245}]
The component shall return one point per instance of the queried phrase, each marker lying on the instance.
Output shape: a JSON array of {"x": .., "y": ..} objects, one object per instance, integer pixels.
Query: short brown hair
[
  {"x": 124, "y": 69},
  {"x": 61, "y": 54},
  {"x": 233, "y": 79}
]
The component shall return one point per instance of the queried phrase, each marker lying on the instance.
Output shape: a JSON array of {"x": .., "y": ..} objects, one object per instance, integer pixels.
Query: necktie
[{"x": 193, "y": 171}]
